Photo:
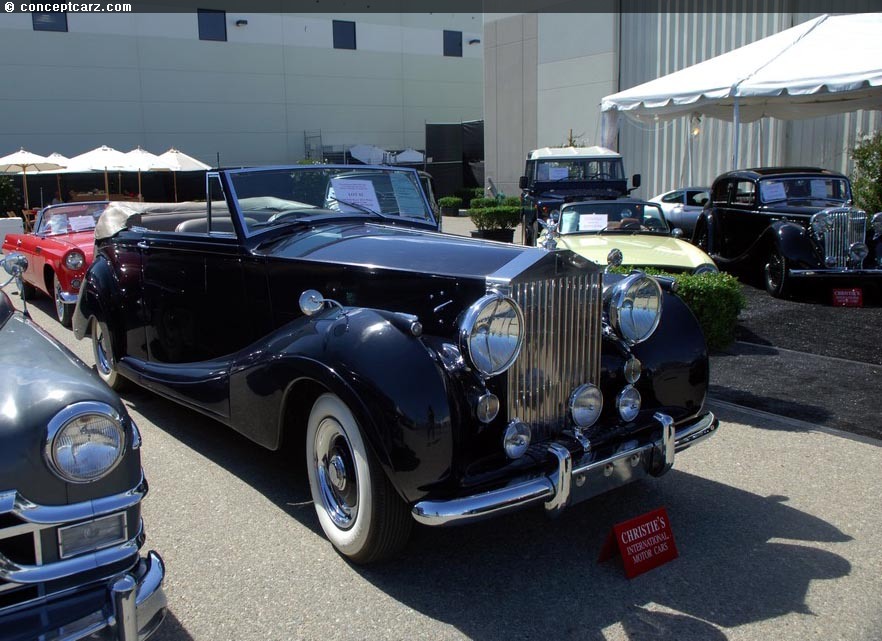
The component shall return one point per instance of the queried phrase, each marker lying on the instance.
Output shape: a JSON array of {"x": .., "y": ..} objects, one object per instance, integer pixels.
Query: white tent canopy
[{"x": 830, "y": 64}]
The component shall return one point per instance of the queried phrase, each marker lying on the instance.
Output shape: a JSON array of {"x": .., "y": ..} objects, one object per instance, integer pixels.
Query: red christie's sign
[{"x": 645, "y": 542}]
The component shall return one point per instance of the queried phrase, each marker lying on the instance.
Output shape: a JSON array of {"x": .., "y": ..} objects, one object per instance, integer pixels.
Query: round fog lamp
[
  {"x": 516, "y": 439},
  {"x": 487, "y": 407},
  {"x": 633, "y": 368},
  {"x": 628, "y": 403},
  {"x": 586, "y": 402}
]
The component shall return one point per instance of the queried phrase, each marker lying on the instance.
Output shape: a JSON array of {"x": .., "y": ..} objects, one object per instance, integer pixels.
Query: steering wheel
[{"x": 630, "y": 223}]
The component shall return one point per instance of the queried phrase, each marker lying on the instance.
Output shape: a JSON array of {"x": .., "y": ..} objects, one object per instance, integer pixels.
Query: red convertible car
[{"x": 58, "y": 252}]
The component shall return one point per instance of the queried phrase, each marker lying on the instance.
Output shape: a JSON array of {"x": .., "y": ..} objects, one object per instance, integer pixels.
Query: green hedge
[
  {"x": 469, "y": 193},
  {"x": 495, "y": 217},
  {"x": 452, "y": 202},
  {"x": 715, "y": 298},
  {"x": 483, "y": 203}
]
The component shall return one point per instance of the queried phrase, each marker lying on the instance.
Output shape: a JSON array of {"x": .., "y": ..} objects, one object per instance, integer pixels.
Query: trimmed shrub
[
  {"x": 468, "y": 194},
  {"x": 482, "y": 203},
  {"x": 495, "y": 217},
  {"x": 450, "y": 202},
  {"x": 511, "y": 201},
  {"x": 715, "y": 298}
]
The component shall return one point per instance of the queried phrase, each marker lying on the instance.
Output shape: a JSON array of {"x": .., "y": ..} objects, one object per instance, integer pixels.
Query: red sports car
[{"x": 58, "y": 252}]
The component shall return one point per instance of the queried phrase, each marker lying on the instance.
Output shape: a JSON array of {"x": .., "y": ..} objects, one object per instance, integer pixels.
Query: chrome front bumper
[
  {"x": 573, "y": 480},
  {"x": 836, "y": 273},
  {"x": 132, "y": 607}
]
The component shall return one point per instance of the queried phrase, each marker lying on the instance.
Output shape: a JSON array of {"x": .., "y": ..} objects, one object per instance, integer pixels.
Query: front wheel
[
  {"x": 102, "y": 350},
  {"x": 357, "y": 507},
  {"x": 775, "y": 272},
  {"x": 64, "y": 311}
]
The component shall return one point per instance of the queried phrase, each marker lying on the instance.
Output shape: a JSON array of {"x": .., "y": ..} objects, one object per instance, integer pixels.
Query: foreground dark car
[
  {"x": 431, "y": 377},
  {"x": 789, "y": 224},
  {"x": 71, "y": 487}
]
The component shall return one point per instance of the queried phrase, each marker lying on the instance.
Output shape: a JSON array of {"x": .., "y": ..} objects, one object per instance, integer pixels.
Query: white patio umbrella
[
  {"x": 61, "y": 160},
  {"x": 142, "y": 160},
  {"x": 101, "y": 158},
  {"x": 21, "y": 161},
  {"x": 179, "y": 161}
]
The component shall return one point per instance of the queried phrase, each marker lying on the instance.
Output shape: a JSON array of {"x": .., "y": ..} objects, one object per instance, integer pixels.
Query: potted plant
[
  {"x": 450, "y": 205},
  {"x": 495, "y": 223}
]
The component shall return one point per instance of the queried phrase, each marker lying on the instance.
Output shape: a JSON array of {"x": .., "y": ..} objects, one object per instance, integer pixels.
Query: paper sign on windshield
[
  {"x": 593, "y": 222},
  {"x": 558, "y": 173},
  {"x": 356, "y": 192},
  {"x": 819, "y": 189},
  {"x": 772, "y": 191},
  {"x": 81, "y": 223}
]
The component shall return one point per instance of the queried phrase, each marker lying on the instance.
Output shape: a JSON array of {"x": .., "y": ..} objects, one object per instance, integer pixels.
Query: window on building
[
  {"x": 453, "y": 43},
  {"x": 344, "y": 34},
  {"x": 49, "y": 21},
  {"x": 212, "y": 24}
]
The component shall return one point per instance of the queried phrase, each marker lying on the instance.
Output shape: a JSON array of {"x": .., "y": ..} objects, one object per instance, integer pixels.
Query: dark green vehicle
[{"x": 71, "y": 486}]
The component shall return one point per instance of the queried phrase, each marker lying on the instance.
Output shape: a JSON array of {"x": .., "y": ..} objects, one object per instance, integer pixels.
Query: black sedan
[
  {"x": 71, "y": 487},
  {"x": 789, "y": 224},
  {"x": 431, "y": 377}
]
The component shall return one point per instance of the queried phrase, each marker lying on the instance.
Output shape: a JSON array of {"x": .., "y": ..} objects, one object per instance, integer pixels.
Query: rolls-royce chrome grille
[
  {"x": 561, "y": 350},
  {"x": 844, "y": 228}
]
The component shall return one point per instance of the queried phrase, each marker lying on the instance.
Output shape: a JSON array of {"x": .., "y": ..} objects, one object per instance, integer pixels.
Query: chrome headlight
[
  {"x": 491, "y": 334},
  {"x": 705, "y": 268},
  {"x": 74, "y": 260},
  {"x": 876, "y": 223},
  {"x": 85, "y": 442},
  {"x": 635, "y": 307},
  {"x": 820, "y": 223}
]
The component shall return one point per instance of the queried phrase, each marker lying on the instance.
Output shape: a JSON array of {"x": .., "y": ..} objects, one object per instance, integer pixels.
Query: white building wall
[{"x": 146, "y": 79}]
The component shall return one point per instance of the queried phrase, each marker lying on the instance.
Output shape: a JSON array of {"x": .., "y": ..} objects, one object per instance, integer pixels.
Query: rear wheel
[
  {"x": 775, "y": 275},
  {"x": 64, "y": 311},
  {"x": 102, "y": 350},
  {"x": 357, "y": 507}
]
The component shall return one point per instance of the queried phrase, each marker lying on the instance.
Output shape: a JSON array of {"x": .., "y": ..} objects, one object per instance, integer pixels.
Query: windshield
[
  {"x": 578, "y": 169},
  {"x": 67, "y": 219},
  {"x": 804, "y": 190},
  {"x": 587, "y": 218},
  {"x": 270, "y": 197}
]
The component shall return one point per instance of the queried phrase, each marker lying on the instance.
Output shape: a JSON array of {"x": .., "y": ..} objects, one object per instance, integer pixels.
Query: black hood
[{"x": 399, "y": 248}]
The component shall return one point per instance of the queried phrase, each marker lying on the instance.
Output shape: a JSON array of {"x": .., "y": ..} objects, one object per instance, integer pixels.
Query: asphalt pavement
[{"x": 776, "y": 521}]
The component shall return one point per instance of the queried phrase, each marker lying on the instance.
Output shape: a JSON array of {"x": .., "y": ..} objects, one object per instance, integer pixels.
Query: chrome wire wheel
[
  {"x": 63, "y": 311},
  {"x": 336, "y": 473}
]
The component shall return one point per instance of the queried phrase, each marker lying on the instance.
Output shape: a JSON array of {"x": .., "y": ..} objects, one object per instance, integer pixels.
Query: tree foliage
[{"x": 866, "y": 179}]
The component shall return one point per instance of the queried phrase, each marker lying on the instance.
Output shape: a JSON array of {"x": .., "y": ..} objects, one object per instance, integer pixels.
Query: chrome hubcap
[
  {"x": 59, "y": 304},
  {"x": 101, "y": 359},
  {"x": 336, "y": 474}
]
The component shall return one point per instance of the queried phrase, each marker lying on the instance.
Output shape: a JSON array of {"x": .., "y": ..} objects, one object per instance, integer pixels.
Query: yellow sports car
[{"x": 623, "y": 232}]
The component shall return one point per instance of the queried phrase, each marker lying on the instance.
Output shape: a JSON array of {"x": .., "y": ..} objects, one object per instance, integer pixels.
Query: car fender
[
  {"x": 384, "y": 373},
  {"x": 706, "y": 220},
  {"x": 792, "y": 241},
  {"x": 100, "y": 298}
]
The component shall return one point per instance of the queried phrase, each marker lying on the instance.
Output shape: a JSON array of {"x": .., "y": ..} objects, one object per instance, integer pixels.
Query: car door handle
[{"x": 143, "y": 244}]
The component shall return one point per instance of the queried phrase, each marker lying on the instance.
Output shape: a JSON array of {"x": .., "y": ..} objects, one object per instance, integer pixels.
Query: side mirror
[
  {"x": 522, "y": 182},
  {"x": 635, "y": 180}
]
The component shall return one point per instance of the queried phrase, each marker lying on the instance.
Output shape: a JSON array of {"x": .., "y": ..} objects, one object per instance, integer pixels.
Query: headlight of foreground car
[
  {"x": 74, "y": 260},
  {"x": 85, "y": 442},
  {"x": 491, "y": 334},
  {"x": 706, "y": 268},
  {"x": 635, "y": 307}
]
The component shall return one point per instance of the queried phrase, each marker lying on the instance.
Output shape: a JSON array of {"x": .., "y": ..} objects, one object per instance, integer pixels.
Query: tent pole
[{"x": 735, "y": 141}]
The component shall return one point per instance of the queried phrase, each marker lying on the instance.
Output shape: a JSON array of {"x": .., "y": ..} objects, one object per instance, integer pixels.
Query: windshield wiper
[{"x": 361, "y": 208}]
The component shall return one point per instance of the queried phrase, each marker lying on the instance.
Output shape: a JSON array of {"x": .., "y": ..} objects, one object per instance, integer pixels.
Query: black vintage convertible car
[
  {"x": 789, "y": 224},
  {"x": 431, "y": 377},
  {"x": 71, "y": 487}
]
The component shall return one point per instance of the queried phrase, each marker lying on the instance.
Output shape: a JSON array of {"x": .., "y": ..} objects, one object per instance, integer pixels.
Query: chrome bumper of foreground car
[
  {"x": 134, "y": 606},
  {"x": 836, "y": 273},
  {"x": 574, "y": 480}
]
